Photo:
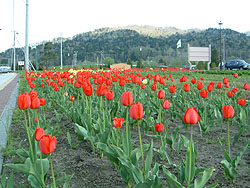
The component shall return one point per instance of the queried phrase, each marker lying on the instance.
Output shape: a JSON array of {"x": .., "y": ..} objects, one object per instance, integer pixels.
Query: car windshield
[{"x": 242, "y": 62}]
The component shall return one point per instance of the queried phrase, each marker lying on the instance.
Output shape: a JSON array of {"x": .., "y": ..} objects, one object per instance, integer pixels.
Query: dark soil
[{"x": 92, "y": 171}]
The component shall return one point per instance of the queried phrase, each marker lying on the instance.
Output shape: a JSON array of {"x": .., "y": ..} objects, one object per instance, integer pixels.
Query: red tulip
[
  {"x": 35, "y": 103},
  {"x": 246, "y": 86},
  {"x": 72, "y": 98},
  {"x": 143, "y": 86},
  {"x": 191, "y": 116},
  {"x": 23, "y": 101},
  {"x": 110, "y": 95},
  {"x": 166, "y": 104},
  {"x": 210, "y": 88},
  {"x": 88, "y": 90},
  {"x": 211, "y": 83},
  {"x": 127, "y": 98},
  {"x": 122, "y": 82},
  {"x": 136, "y": 111},
  {"x": 172, "y": 88},
  {"x": 219, "y": 85},
  {"x": 42, "y": 85},
  {"x": 66, "y": 94},
  {"x": 203, "y": 93},
  {"x": 230, "y": 94},
  {"x": 183, "y": 78},
  {"x": 117, "y": 122},
  {"x": 193, "y": 80},
  {"x": 234, "y": 90},
  {"x": 77, "y": 85},
  {"x": 199, "y": 85},
  {"x": 202, "y": 78},
  {"x": 236, "y": 75},
  {"x": 228, "y": 111},
  {"x": 227, "y": 85},
  {"x": 242, "y": 102},
  {"x": 39, "y": 134},
  {"x": 101, "y": 90},
  {"x": 47, "y": 144},
  {"x": 42, "y": 101},
  {"x": 161, "y": 94},
  {"x": 159, "y": 127},
  {"x": 186, "y": 87},
  {"x": 35, "y": 119},
  {"x": 225, "y": 80},
  {"x": 153, "y": 87}
]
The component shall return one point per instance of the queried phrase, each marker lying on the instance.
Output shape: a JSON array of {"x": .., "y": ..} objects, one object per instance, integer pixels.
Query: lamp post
[
  {"x": 26, "y": 37},
  {"x": 220, "y": 23}
]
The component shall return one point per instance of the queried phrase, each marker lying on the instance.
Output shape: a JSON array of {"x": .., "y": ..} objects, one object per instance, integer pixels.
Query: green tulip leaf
[
  {"x": 230, "y": 171},
  {"x": 237, "y": 158},
  {"x": 237, "y": 136},
  {"x": 171, "y": 179},
  {"x": 34, "y": 182},
  {"x": 190, "y": 164},
  {"x": 45, "y": 166},
  {"x": 10, "y": 183},
  {"x": 226, "y": 155},
  {"x": 149, "y": 158},
  {"x": 201, "y": 181}
]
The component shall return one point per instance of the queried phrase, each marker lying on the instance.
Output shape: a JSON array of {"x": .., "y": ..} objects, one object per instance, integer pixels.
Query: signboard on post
[
  {"x": 199, "y": 54},
  {"x": 20, "y": 63}
]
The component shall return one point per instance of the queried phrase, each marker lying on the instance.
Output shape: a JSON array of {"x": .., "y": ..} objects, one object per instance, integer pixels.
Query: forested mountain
[{"x": 147, "y": 43}]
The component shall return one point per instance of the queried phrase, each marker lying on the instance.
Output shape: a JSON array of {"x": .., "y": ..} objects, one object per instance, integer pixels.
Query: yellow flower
[{"x": 145, "y": 81}]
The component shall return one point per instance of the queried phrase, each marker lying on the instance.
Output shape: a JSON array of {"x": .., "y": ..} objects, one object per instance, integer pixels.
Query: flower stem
[
  {"x": 127, "y": 132},
  {"x": 117, "y": 137},
  {"x": 142, "y": 156},
  {"x": 160, "y": 111},
  {"x": 52, "y": 171},
  {"x": 103, "y": 115},
  {"x": 29, "y": 118},
  {"x": 110, "y": 114},
  {"x": 28, "y": 134},
  {"x": 190, "y": 155},
  {"x": 41, "y": 162},
  {"x": 37, "y": 118},
  {"x": 228, "y": 138}
]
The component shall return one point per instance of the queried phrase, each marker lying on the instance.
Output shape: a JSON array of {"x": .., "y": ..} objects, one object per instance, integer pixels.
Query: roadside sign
[{"x": 20, "y": 63}]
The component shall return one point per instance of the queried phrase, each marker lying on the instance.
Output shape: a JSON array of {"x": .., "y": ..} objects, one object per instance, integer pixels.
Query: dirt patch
[{"x": 92, "y": 171}]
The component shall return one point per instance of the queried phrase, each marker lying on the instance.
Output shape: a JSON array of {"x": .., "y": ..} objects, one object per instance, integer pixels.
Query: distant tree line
[{"x": 124, "y": 45}]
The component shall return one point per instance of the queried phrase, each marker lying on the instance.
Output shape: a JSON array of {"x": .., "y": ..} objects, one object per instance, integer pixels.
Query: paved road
[
  {"x": 5, "y": 79},
  {"x": 8, "y": 95}
]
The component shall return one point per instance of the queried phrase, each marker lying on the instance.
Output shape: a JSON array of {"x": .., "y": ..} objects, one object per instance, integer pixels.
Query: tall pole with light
[
  {"x": 26, "y": 37},
  {"x": 61, "y": 53},
  {"x": 14, "y": 42},
  {"x": 220, "y": 23}
]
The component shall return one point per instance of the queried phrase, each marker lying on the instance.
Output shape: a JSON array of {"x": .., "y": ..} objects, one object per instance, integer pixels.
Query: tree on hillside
[
  {"x": 109, "y": 61},
  {"x": 47, "y": 55},
  {"x": 215, "y": 57},
  {"x": 129, "y": 62},
  {"x": 139, "y": 63},
  {"x": 162, "y": 61}
]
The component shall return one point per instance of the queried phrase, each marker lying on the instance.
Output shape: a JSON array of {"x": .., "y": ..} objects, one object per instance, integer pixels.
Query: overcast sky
[{"x": 49, "y": 18}]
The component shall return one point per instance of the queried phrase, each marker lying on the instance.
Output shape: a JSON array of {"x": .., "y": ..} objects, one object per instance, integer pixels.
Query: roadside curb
[{"x": 5, "y": 120}]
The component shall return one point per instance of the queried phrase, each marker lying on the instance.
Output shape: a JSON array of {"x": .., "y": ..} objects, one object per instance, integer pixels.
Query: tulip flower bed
[{"x": 136, "y": 128}]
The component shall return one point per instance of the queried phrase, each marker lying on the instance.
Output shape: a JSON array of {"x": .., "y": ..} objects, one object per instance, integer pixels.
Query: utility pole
[
  {"x": 14, "y": 42},
  {"x": 26, "y": 37},
  {"x": 220, "y": 23},
  {"x": 224, "y": 50},
  {"x": 61, "y": 53}
]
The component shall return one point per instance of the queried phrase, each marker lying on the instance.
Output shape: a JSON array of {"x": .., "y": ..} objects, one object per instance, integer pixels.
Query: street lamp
[{"x": 220, "y": 23}]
